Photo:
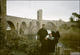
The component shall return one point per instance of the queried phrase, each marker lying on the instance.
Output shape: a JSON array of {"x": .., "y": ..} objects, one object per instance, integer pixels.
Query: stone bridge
[{"x": 27, "y": 26}]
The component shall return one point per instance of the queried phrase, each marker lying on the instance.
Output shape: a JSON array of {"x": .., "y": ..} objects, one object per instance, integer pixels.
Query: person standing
[{"x": 42, "y": 33}]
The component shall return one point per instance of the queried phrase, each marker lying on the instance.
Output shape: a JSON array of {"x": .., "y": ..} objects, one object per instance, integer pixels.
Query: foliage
[
  {"x": 20, "y": 44},
  {"x": 76, "y": 15},
  {"x": 71, "y": 38},
  {"x": 64, "y": 27},
  {"x": 71, "y": 19},
  {"x": 70, "y": 34}
]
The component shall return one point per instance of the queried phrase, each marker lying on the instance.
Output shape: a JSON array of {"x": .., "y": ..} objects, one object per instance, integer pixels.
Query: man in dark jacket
[{"x": 42, "y": 33}]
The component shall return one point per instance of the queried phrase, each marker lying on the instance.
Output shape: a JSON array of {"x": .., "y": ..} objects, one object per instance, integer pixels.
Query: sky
[{"x": 52, "y": 10}]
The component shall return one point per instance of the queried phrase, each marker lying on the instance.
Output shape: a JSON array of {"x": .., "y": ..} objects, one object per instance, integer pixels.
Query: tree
[
  {"x": 2, "y": 22},
  {"x": 76, "y": 15},
  {"x": 71, "y": 19}
]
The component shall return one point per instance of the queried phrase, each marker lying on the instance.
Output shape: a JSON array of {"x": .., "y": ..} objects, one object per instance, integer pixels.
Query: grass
[{"x": 71, "y": 38}]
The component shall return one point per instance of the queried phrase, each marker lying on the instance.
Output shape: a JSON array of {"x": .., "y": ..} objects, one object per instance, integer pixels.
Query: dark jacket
[{"x": 42, "y": 33}]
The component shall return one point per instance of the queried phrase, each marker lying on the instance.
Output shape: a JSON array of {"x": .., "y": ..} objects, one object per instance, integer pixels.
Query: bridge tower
[{"x": 39, "y": 17}]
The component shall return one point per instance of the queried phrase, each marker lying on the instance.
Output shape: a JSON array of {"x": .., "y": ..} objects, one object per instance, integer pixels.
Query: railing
[{"x": 60, "y": 50}]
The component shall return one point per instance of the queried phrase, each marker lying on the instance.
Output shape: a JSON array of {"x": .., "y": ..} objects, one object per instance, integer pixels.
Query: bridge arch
[
  {"x": 51, "y": 26},
  {"x": 23, "y": 28},
  {"x": 10, "y": 25}
]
